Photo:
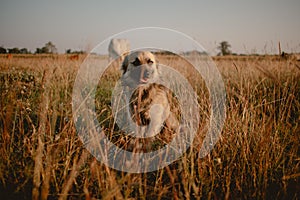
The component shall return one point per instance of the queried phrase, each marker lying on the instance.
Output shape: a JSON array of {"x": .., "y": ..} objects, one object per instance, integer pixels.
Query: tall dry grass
[{"x": 258, "y": 156}]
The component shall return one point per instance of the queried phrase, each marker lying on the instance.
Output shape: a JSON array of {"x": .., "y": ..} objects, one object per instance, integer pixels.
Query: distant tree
[
  {"x": 14, "y": 50},
  {"x": 2, "y": 50},
  {"x": 38, "y": 50},
  {"x": 24, "y": 51},
  {"x": 45, "y": 50},
  {"x": 224, "y": 48},
  {"x": 68, "y": 51},
  {"x": 50, "y": 47},
  {"x": 41, "y": 50}
]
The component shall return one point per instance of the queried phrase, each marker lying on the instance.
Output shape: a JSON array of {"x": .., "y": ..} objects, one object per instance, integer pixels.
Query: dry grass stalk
[
  {"x": 38, "y": 154},
  {"x": 73, "y": 174}
]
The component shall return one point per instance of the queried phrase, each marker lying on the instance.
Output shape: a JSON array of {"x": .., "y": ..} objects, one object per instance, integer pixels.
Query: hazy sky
[{"x": 249, "y": 26}]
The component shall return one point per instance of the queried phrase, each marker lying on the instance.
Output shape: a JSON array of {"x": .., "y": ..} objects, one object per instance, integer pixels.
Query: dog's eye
[
  {"x": 137, "y": 62},
  {"x": 150, "y": 62}
]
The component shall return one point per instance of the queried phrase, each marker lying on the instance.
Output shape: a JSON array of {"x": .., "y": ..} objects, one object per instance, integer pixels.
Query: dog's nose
[{"x": 147, "y": 74}]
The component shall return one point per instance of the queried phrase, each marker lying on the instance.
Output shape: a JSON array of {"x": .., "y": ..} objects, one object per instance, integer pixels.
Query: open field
[{"x": 258, "y": 156}]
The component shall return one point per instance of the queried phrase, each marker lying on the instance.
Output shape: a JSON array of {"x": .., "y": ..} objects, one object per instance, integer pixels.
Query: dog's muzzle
[
  {"x": 146, "y": 74},
  {"x": 140, "y": 75}
]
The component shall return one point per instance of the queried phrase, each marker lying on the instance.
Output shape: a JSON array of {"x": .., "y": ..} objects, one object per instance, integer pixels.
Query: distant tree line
[
  {"x": 48, "y": 48},
  {"x": 69, "y": 51},
  {"x": 14, "y": 50}
]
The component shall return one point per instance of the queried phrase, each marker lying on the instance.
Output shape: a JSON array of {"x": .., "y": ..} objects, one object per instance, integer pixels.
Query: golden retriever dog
[{"x": 151, "y": 106}]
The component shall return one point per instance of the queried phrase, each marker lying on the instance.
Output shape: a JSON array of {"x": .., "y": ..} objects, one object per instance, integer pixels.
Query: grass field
[{"x": 258, "y": 156}]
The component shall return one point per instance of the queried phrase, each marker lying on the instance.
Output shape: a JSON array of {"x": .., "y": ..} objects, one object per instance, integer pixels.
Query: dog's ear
[{"x": 125, "y": 64}]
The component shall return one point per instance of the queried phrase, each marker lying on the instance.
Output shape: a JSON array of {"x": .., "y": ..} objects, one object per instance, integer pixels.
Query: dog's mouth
[{"x": 144, "y": 80}]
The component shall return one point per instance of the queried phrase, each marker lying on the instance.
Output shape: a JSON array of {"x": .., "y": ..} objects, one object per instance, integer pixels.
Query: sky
[{"x": 254, "y": 26}]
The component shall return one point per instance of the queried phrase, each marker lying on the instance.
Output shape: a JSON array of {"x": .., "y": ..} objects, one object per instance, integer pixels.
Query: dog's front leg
[{"x": 158, "y": 114}]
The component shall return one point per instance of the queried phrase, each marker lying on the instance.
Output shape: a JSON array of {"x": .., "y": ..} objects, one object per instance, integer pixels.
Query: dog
[{"x": 151, "y": 106}]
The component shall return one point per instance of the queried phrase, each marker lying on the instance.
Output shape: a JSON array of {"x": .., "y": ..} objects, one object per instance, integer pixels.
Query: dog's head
[{"x": 140, "y": 67}]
